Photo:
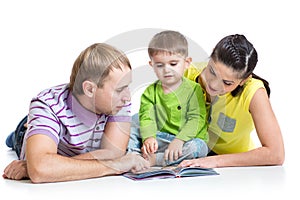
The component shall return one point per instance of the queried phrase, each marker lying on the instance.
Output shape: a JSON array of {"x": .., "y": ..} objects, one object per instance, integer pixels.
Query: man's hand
[
  {"x": 174, "y": 150},
  {"x": 130, "y": 162},
  {"x": 16, "y": 170}
]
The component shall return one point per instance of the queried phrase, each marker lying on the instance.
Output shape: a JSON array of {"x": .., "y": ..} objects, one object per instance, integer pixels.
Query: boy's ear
[
  {"x": 89, "y": 88},
  {"x": 150, "y": 63},
  {"x": 188, "y": 61}
]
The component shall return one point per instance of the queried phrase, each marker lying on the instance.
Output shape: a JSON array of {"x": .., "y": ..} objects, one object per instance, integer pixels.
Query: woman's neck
[{"x": 201, "y": 81}]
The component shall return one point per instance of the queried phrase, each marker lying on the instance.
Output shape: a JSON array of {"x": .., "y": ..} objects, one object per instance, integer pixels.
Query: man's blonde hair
[
  {"x": 168, "y": 41},
  {"x": 94, "y": 64}
]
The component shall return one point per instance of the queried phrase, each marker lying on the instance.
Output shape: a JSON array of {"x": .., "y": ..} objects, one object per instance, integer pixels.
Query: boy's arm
[{"x": 147, "y": 116}]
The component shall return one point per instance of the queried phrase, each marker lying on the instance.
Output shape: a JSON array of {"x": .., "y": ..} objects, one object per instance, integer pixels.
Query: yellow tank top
[{"x": 230, "y": 122}]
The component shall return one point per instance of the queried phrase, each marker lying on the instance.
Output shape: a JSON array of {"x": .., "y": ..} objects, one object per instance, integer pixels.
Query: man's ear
[{"x": 89, "y": 88}]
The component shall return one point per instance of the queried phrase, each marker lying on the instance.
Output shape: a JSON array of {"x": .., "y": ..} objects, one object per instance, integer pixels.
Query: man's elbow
[{"x": 38, "y": 173}]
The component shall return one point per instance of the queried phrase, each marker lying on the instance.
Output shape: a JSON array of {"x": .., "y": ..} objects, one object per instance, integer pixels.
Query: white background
[{"x": 39, "y": 41}]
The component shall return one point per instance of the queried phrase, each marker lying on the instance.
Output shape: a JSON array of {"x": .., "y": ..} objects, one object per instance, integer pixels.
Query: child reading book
[{"x": 172, "y": 113}]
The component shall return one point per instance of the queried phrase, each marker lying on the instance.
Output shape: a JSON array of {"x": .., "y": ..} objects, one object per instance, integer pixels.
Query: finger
[
  {"x": 152, "y": 148},
  {"x": 166, "y": 155},
  {"x": 179, "y": 153},
  {"x": 184, "y": 163},
  {"x": 176, "y": 155},
  {"x": 171, "y": 156},
  {"x": 148, "y": 148},
  {"x": 145, "y": 154},
  {"x": 19, "y": 176},
  {"x": 155, "y": 147}
]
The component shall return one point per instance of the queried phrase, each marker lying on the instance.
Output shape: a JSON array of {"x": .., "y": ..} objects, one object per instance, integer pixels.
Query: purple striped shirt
[{"x": 55, "y": 112}]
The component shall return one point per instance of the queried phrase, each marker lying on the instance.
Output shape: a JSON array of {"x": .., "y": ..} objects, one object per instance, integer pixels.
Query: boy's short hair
[
  {"x": 94, "y": 64},
  {"x": 169, "y": 41}
]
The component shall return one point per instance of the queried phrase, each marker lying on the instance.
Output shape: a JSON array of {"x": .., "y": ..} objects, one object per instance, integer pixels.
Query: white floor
[{"x": 232, "y": 183}]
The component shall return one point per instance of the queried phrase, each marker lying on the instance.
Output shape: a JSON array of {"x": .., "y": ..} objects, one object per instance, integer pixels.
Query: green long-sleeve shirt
[{"x": 181, "y": 112}]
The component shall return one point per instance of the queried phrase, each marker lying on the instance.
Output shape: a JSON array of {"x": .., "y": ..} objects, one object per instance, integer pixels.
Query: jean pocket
[{"x": 226, "y": 123}]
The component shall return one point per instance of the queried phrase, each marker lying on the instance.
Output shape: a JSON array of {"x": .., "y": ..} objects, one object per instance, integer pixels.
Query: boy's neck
[{"x": 169, "y": 89}]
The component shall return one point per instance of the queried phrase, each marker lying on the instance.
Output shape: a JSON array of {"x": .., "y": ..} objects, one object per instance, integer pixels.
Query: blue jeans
[
  {"x": 194, "y": 148},
  {"x": 15, "y": 139}
]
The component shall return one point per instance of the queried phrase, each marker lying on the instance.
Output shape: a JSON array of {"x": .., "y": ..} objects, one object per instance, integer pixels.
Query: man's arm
[
  {"x": 113, "y": 143},
  {"x": 45, "y": 165}
]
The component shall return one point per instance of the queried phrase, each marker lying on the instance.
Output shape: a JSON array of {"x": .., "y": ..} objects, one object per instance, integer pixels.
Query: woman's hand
[{"x": 205, "y": 162}]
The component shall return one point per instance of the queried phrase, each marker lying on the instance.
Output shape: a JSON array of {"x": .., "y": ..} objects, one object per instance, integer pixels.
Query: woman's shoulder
[
  {"x": 253, "y": 84},
  {"x": 250, "y": 88}
]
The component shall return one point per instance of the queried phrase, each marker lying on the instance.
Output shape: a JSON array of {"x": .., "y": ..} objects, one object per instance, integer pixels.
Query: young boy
[{"x": 172, "y": 112}]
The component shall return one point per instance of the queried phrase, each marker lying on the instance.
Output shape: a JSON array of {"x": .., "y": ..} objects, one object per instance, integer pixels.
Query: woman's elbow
[{"x": 278, "y": 157}]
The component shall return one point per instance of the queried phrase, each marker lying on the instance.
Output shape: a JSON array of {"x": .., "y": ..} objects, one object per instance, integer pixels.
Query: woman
[{"x": 238, "y": 102}]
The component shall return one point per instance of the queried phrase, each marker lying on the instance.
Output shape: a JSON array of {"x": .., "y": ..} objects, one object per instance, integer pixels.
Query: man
[{"x": 80, "y": 130}]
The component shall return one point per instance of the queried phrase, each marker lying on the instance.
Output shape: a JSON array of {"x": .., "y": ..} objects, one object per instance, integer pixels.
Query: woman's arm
[{"x": 271, "y": 151}]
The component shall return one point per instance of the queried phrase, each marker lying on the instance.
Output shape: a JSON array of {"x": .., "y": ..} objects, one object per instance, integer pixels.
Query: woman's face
[{"x": 219, "y": 79}]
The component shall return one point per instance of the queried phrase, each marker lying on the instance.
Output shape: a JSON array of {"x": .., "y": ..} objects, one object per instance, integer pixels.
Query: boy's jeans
[{"x": 191, "y": 149}]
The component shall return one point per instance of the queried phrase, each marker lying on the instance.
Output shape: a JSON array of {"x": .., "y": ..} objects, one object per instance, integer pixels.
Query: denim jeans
[{"x": 194, "y": 148}]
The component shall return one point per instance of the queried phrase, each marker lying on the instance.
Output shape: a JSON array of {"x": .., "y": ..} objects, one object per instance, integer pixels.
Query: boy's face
[
  {"x": 169, "y": 68},
  {"x": 114, "y": 94}
]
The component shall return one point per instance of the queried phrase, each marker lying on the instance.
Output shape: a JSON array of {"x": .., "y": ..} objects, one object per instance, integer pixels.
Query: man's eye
[{"x": 120, "y": 90}]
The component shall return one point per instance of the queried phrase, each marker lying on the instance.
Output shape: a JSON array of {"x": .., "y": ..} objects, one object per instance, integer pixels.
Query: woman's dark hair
[{"x": 238, "y": 53}]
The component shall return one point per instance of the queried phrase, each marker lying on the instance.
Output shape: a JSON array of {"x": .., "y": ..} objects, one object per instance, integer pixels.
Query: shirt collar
[{"x": 87, "y": 117}]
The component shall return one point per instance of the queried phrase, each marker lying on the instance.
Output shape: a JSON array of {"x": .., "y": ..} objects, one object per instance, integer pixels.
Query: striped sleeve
[{"x": 42, "y": 120}]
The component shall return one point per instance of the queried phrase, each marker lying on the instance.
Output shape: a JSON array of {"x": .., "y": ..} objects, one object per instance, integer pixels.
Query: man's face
[{"x": 114, "y": 94}]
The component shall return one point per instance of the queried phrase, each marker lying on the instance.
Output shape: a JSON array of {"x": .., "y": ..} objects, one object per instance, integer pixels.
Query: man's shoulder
[{"x": 55, "y": 92}]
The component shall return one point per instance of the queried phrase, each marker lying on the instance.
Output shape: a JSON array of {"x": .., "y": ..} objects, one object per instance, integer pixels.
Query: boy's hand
[
  {"x": 174, "y": 150},
  {"x": 150, "y": 146}
]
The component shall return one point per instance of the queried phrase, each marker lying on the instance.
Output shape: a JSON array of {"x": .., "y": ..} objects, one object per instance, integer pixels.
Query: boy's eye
[
  {"x": 159, "y": 65},
  {"x": 173, "y": 64}
]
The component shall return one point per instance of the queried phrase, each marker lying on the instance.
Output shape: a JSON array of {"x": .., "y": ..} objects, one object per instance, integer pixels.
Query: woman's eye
[{"x": 226, "y": 83}]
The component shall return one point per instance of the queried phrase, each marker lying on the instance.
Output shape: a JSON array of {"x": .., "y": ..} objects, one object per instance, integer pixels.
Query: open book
[{"x": 170, "y": 172}]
